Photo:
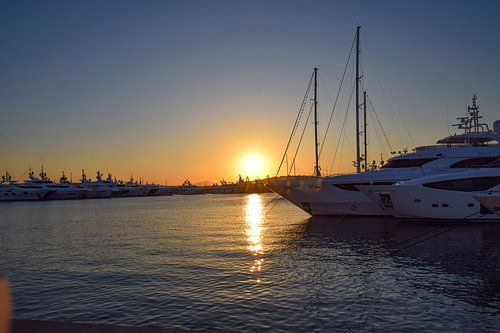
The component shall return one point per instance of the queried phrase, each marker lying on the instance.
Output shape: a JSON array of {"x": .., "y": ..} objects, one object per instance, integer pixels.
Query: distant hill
[{"x": 204, "y": 183}]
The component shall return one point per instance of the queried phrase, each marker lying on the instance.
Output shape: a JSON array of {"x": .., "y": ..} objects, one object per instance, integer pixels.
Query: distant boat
[
  {"x": 189, "y": 189},
  {"x": 139, "y": 190},
  {"x": 63, "y": 190},
  {"x": 96, "y": 189},
  {"x": 11, "y": 191},
  {"x": 165, "y": 190}
]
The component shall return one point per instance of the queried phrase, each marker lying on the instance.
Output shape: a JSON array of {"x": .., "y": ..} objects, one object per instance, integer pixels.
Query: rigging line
[
  {"x": 427, "y": 238},
  {"x": 301, "y": 137},
  {"x": 338, "y": 118},
  {"x": 377, "y": 134},
  {"x": 343, "y": 127},
  {"x": 345, "y": 137},
  {"x": 338, "y": 94},
  {"x": 383, "y": 148},
  {"x": 276, "y": 196},
  {"x": 275, "y": 203},
  {"x": 382, "y": 80},
  {"x": 22, "y": 176},
  {"x": 379, "y": 123},
  {"x": 419, "y": 235},
  {"x": 412, "y": 142},
  {"x": 297, "y": 121}
]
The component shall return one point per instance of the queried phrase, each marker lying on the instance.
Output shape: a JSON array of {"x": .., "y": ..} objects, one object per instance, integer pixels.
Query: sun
[{"x": 252, "y": 166}]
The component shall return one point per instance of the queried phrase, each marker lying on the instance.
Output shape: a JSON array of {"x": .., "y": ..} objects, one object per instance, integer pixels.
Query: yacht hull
[
  {"x": 317, "y": 197},
  {"x": 98, "y": 194},
  {"x": 67, "y": 195},
  {"x": 423, "y": 203},
  {"x": 23, "y": 194}
]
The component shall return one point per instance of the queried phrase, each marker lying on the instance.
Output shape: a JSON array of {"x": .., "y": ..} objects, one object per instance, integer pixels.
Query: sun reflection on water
[{"x": 254, "y": 219}]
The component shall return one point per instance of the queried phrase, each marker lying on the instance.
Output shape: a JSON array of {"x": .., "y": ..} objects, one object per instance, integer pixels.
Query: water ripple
[{"x": 218, "y": 262}]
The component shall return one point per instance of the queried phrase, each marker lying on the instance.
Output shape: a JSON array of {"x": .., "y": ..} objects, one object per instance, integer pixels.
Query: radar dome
[{"x": 496, "y": 126}]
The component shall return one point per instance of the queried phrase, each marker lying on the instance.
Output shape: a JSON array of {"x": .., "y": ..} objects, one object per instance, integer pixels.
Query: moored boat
[
  {"x": 339, "y": 195},
  {"x": 95, "y": 189},
  {"x": 451, "y": 196},
  {"x": 12, "y": 191}
]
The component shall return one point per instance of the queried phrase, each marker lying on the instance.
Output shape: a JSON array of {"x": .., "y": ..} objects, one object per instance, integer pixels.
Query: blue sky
[{"x": 170, "y": 90}]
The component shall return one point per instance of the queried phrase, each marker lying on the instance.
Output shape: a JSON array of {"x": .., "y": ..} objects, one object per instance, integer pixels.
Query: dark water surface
[{"x": 244, "y": 263}]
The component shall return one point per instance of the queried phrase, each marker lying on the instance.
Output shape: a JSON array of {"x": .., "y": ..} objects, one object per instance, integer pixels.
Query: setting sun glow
[{"x": 252, "y": 166}]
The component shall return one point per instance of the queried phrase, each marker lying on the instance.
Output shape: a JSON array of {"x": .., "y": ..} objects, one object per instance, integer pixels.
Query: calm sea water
[{"x": 246, "y": 263}]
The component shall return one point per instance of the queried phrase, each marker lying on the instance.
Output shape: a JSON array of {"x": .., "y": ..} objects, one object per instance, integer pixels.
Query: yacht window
[
  {"x": 408, "y": 162},
  {"x": 494, "y": 164},
  {"x": 352, "y": 186},
  {"x": 473, "y": 162},
  {"x": 466, "y": 184},
  {"x": 347, "y": 187}
]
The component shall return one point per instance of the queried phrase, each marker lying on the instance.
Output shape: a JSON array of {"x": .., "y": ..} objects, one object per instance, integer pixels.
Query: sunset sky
[{"x": 169, "y": 90}]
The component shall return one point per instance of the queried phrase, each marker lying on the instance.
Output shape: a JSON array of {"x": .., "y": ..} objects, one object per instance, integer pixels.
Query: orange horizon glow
[{"x": 209, "y": 168}]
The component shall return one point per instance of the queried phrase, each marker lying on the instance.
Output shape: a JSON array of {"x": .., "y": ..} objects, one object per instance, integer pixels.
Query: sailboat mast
[
  {"x": 358, "y": 153},
  {"x": 364, "y": 131},
  {"x": 316, "y": 165}
]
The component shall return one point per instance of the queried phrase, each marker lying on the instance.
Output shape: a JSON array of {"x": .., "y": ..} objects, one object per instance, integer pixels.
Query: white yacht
[
  {"x": 339, "y": 195},
  {"x": 63, "y": 190},
  {"x": 450, "y": 196},
  {"x": 118, "y": 189},
  {"x": 97, "y": 189},
  {"x": 137, "y": 189},
  {"x": 12, "y": 191}
]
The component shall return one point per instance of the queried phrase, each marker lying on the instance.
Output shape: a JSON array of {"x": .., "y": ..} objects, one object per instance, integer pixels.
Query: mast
[
  {"x": 358, "y": 153},
  {"x": 316, "y": 165},
  {"x": 364, "y": 131}
]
